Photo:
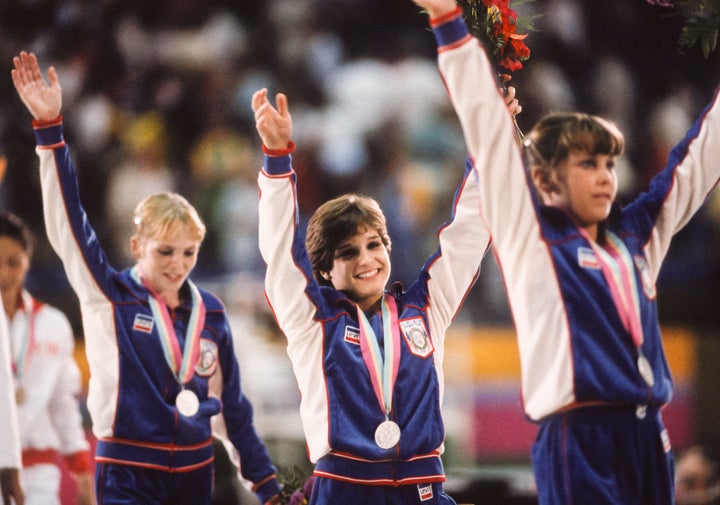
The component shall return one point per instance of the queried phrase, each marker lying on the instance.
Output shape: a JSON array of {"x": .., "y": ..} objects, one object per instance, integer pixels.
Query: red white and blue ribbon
[
  {"x": 619, "y": 272},
  {"x": 383, "y": 369},
  {"x": 182, "y": 364}
]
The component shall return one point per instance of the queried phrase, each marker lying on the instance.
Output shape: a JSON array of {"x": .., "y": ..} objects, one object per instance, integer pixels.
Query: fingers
[
  {"x": 509, "y": 94},
  {"x": 282, "y": 104},
  {"x": 53, "y": 77},
  {"x": 258, "y": 98},
  {"x": 27, "y": 70}
]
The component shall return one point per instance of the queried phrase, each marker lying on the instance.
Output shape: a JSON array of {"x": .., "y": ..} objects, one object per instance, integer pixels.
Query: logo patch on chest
[
  {"x": 143, "y": 323},
  {"x": 646, "y": 277},
  {"x": 416, "y": 336},
  {"x": 352, "y": 335},
  {"x": 207, "y": 362},
  {"x": 587, "y": 258}
]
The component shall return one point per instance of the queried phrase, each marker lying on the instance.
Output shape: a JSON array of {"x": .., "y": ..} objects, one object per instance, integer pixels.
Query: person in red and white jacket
[
  {"x": 10, "y": 459},
  {"x": 46, "y": 377}
]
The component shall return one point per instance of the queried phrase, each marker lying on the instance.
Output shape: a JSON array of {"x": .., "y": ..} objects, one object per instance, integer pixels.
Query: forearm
[{"x": 288, "y": 270}]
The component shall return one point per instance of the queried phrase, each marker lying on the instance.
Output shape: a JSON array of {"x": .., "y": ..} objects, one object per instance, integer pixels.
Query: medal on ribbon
[
  {"x": 383, "y": 369},
  {"x": 618, "y": 268},
  {"x": 181, "y": 363},
  {"x": 26, "y": 344}
]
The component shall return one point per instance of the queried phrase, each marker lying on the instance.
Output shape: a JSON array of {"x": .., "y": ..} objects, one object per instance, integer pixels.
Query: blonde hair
[{"x": 159, "y": 215}]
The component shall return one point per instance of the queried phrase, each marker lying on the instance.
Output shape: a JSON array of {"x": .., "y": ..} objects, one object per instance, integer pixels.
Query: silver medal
[
  {"x": 187, "y": 403},
  {"x": 387, "y": 434},
  {"x": 646, "y": 370}
]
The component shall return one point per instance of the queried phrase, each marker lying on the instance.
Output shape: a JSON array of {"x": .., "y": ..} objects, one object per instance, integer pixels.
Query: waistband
[
  {"x": 610, "y": 412},
  {"x": 165, "y": 457},
  {"x": 32, "y": 457},
  {"x": 348, "y": 468}
]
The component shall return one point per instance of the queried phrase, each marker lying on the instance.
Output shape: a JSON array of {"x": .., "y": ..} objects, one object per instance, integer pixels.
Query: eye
[
  {"x": 165, "y": 252},
  {"x": 345, "y": 253},
  {"x": 375, "y": 244},
  {"x": 189, "y": 253}
]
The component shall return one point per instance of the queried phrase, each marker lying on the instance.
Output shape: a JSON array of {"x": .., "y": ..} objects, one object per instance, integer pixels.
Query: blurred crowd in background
[{"x": 157, "y": 98}]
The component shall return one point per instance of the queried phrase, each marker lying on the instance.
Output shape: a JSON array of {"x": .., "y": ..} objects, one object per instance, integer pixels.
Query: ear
[
  {"x": 543, "y": 181},
  {"x": 135, "y": 247},
  {"x": 326, "y": 276}
]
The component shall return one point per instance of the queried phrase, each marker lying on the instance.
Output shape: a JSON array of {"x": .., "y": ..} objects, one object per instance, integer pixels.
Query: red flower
[{"x": 495, "y": 23}]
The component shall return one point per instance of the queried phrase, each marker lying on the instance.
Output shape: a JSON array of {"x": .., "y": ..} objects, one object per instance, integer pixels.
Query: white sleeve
[{"x": 9, "y": 430}]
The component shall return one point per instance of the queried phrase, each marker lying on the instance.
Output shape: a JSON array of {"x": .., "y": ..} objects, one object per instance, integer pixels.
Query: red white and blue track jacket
[
  {"x": 132, "y": 390},
  {"x": 574, "y": 348},
  {"x": 339, "y": 409}
]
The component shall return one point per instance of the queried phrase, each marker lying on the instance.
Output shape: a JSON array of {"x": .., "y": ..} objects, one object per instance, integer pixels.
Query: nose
[
  {"x": 177, "y": 258},
  {"x": 607, "y": 174},
  {"x": 364, "y": 255}
]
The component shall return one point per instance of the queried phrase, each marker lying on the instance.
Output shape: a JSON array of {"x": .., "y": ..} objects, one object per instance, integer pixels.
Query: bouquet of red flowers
[{"x": 496, "y": 24}]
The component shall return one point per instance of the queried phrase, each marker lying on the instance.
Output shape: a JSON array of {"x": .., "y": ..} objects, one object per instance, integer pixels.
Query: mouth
[
  {"x": 604, "y": 197},
  {"x": 368, "y": 275},
  {"x": 174, "y": 277}
]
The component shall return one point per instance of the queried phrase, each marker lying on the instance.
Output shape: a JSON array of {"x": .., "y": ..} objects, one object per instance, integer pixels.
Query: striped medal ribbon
[
  {"x": 25, "y": 347},
  {"x": 619, "y": 271},
  {"x": 181, "y": 363},
  {"x": 383, "y": 370}
]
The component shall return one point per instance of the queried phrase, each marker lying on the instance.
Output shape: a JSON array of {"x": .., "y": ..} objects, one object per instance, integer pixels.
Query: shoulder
[
  {"x": 212, "y": 302},
  {"x": 52, "y": 325}
]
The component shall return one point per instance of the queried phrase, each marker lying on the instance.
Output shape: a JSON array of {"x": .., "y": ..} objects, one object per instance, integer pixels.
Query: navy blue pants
[
  {"x": 604, "y": 456},
  {"x": 333, "y": 492},
  {"x": 130, "y": 485}
]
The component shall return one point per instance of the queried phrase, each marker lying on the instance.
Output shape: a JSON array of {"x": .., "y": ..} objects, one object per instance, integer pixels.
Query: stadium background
[{"x": 156, "y": 96}]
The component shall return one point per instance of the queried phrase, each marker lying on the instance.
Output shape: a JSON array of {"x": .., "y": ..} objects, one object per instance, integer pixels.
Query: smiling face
[
  {"x": 166, "y": 262},
  {"x": 585, "y": 186},
  {"x": 361, "y": 267}
]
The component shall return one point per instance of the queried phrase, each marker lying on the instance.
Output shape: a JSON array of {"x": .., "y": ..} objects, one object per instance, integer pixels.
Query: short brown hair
[
  {"x": 334, "y": 222},
  {"x": 554, "y": 136}
]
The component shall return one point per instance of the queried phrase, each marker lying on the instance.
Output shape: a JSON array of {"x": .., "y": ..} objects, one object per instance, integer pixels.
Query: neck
[
  {"x": 370, "y": 305},
  {"x": 171, "y": 298},
  {"x": 11, "y": 303}
]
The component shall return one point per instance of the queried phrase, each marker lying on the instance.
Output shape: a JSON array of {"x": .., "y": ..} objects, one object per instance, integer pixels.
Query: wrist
[
  {"x": 289, "y": 149},
  {"x": 44, "y": 123},
  {"x": 444, "y": 15}
]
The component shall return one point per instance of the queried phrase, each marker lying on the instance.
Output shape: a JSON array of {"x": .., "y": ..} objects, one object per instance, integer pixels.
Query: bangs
[
  {"x": 594, "y": 135},
  {"x": 352, "y": 221}
]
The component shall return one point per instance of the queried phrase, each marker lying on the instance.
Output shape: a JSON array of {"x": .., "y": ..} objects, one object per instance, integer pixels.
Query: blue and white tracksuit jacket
[
  {"x": 132, "y": 390},
  {"x": 574, "y": 349},
  {"x": 339, "y": 409}
]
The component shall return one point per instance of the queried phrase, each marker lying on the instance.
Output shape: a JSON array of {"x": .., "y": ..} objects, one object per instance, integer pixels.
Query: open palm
[{"x": 42, "y": 98}]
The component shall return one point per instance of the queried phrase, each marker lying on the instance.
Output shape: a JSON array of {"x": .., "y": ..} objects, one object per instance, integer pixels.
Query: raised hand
[
  {"x": 42, "y": 98},
  {"x": 273, "y": 125},
  {"x": 436, "y": 8}
]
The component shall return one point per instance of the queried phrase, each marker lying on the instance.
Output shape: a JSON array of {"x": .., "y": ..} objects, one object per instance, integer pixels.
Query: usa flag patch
[
  {"x": 425, "y": 492},
  {"x": 587, "y": 258},
  {"x": 143, "y": 323}
]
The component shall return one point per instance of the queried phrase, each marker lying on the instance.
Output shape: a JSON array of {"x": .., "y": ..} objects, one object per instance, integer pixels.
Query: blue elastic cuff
[
  {"x": 450, "y": 32},
  {"x": 278, "y": 165},
  {"x": 49, "y": 135}
]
